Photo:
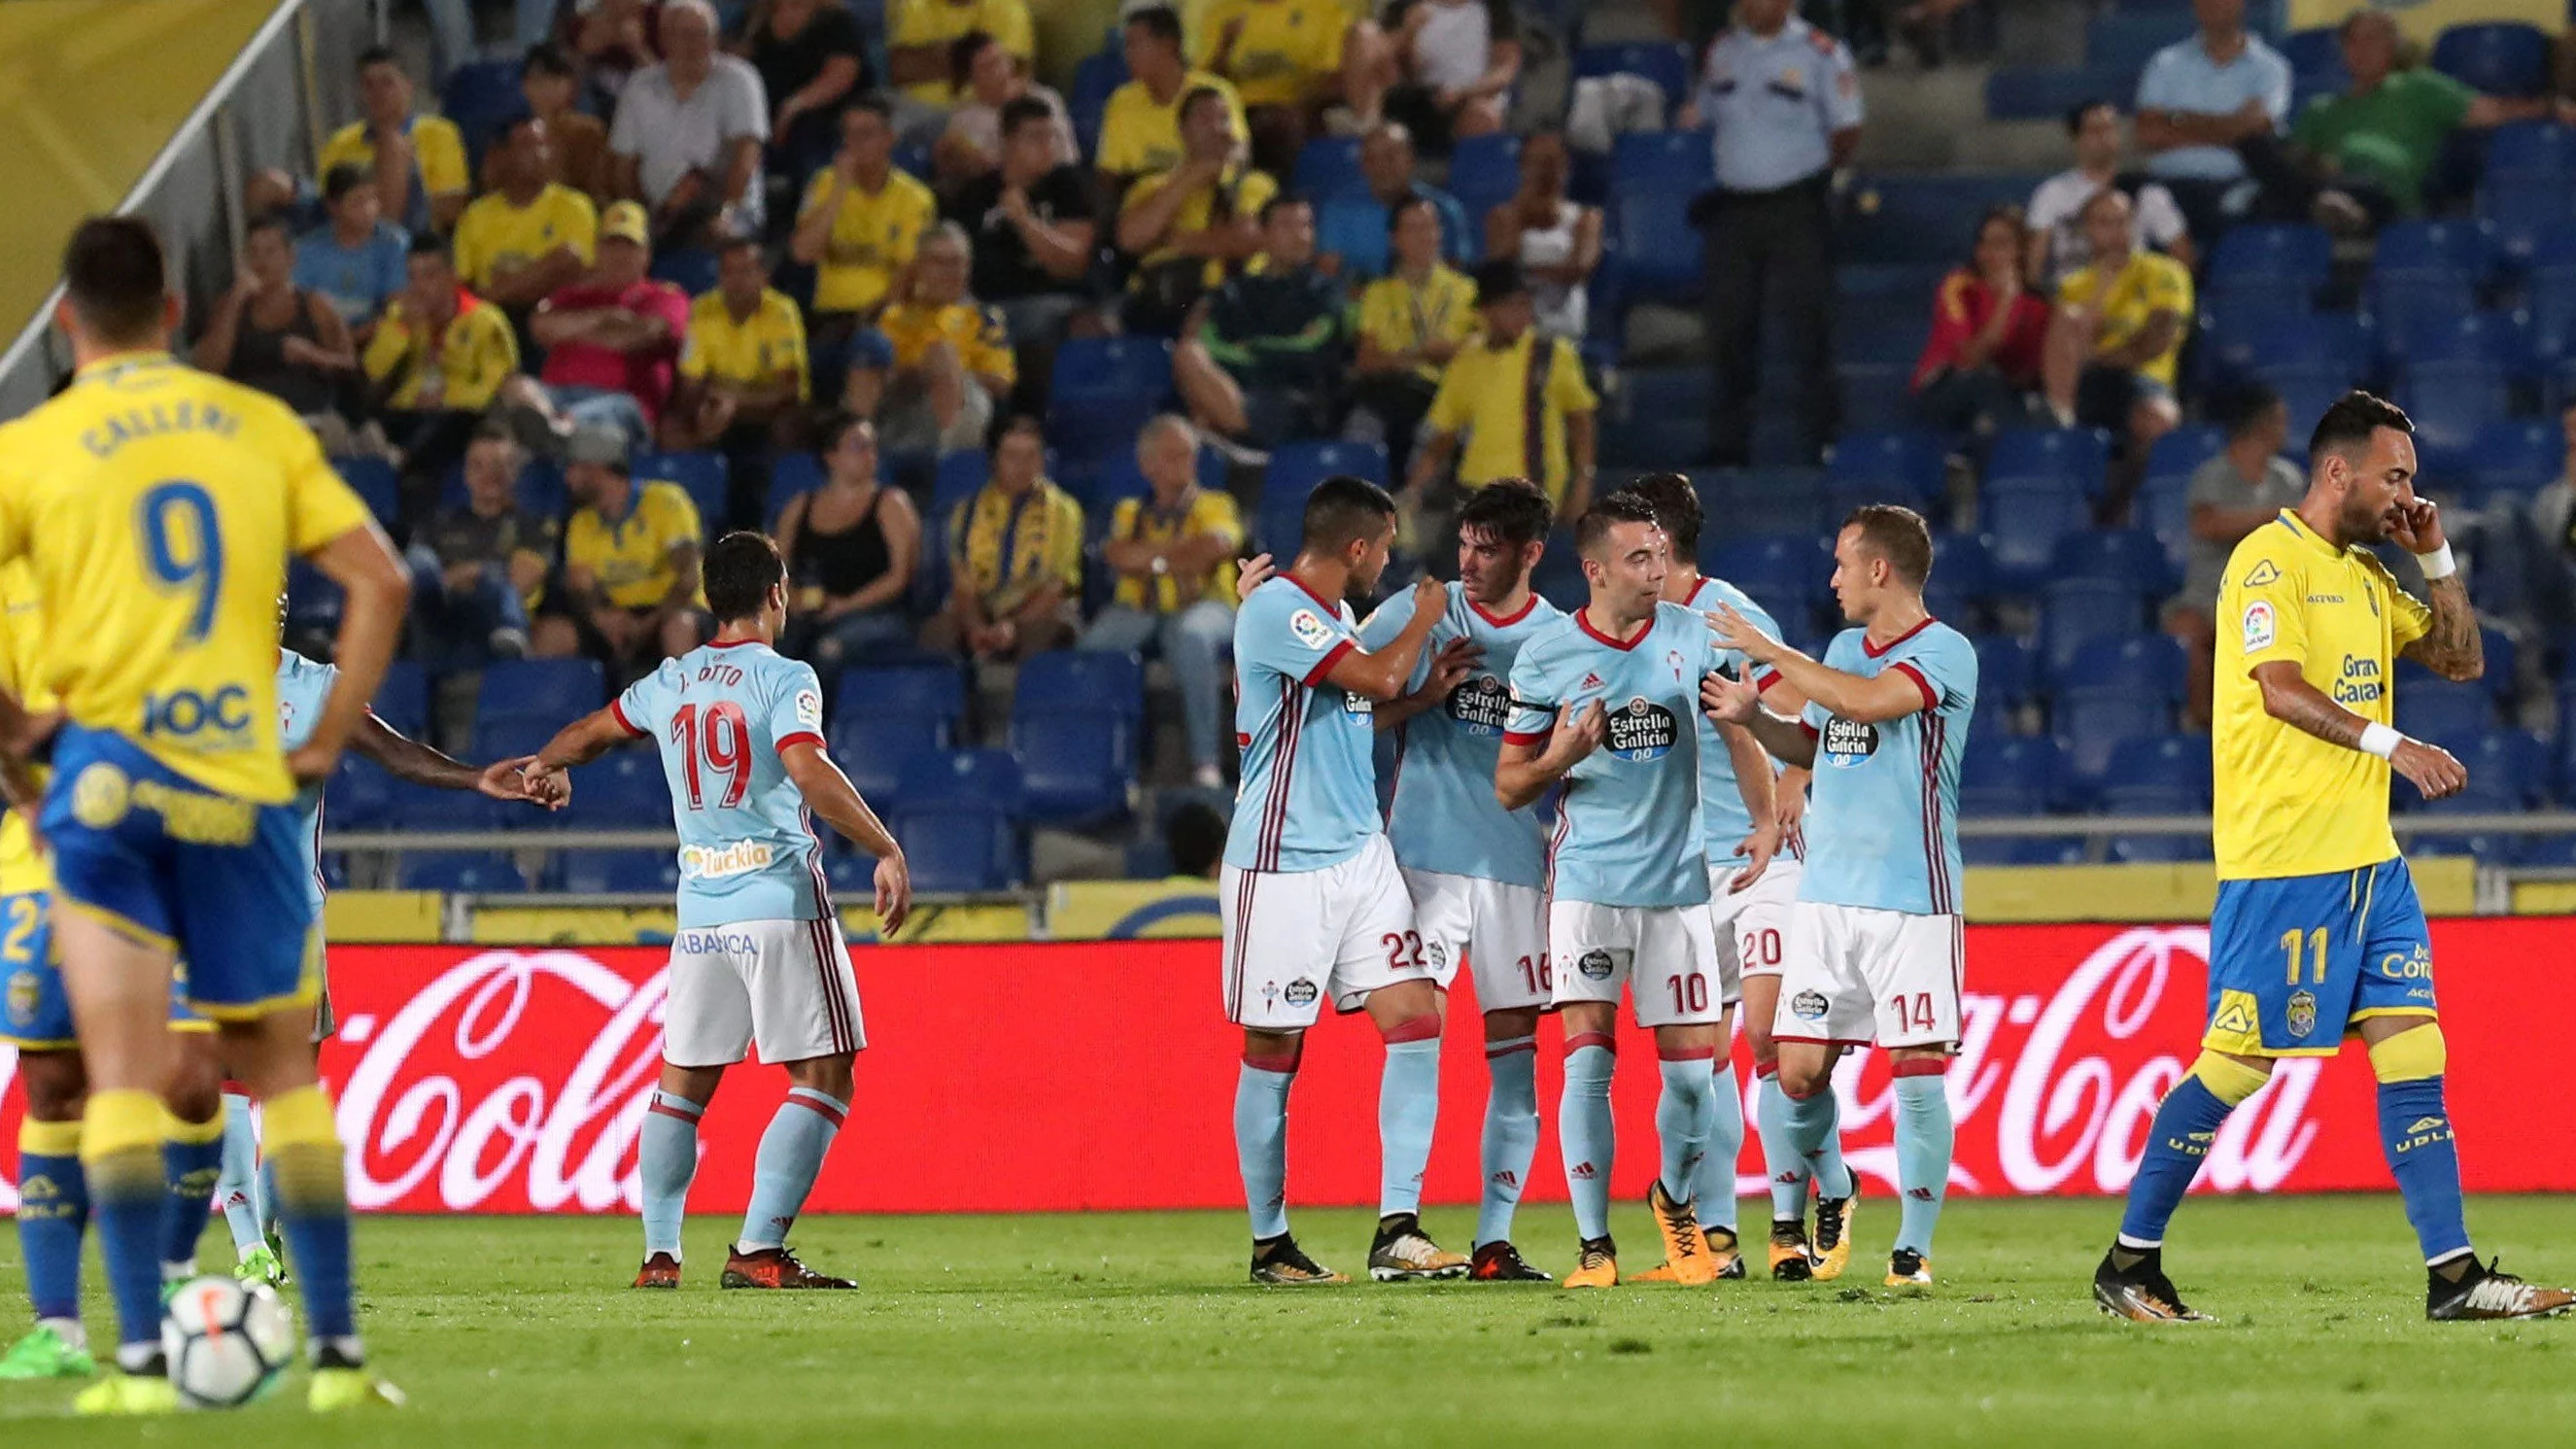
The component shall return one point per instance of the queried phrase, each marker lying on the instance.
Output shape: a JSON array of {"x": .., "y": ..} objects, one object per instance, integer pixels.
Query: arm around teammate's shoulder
[{"x": 1382, "y": 674}]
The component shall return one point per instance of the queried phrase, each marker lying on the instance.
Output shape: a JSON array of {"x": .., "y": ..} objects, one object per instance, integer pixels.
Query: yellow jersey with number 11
[
  {"x": 156, "y": 507},
  {"x": 23, "y": 868},
  {"x": 2288, "y": 803}
]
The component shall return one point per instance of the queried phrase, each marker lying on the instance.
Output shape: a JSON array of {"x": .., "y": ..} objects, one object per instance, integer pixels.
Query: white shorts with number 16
[
  {"x": 1500, "y": 929},
  {"x": 1665, "y": 955}
]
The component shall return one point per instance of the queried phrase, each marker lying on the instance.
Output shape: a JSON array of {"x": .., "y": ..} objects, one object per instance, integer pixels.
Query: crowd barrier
[{"x": 1100, "y": 1075}]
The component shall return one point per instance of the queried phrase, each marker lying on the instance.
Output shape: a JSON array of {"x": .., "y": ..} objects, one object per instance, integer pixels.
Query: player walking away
[
  {"x": 302, "y": 685},
  {"x": 1874, "y": 948},
  {"x": 1477, "y": 872},
  {"x": 1752, "y": 820},
  {"x": 1312, "y": 906},
  {"x": 1603, "y": 701},
  {"x": 2317, "y": 934},
  {"x": 759, "y": 958},
  {"x": 157, "y": 507}
]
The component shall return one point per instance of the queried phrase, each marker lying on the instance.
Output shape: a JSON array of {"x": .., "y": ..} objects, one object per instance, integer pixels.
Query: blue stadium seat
[
  {"x": 1875, "y": 394},
  {"x": 617, "y": 872},
  {"x": 1657, "y": 252},
  {"x": 2512, "y": 458},
  {"x": 2502, "y": 659},
  {"x": 1658, "y": 415},
  {"x": 2307, "y": 389},
  {"x": 2429, "y": 708},
  {"x": 402, "y": 700},
  {"x": 693, "y": 269},
  {"x": 790, "y": 476},
  {"x": 2023, "y": 850},
  {"x": 2184, "y": 449},
  {"x": 2076, "y": 455},
  {"x": 964, "y": 777},
  {"x": 2523, "y": 219},
  {"x": 2047, "y": 93},
  {"x": 1559, "y": 575},
  {"x": 2545, "y": 852},
  {"x": 1120, "y": 478},
  {"x": 2241, "y": 338},
  {"x": 700, "y": 474},
  {"x": 312, "y": 600},
  {"x": 878, "y": 751},
  {"x": 1925, "y": 218},
  {"x": 2529, "y": 154},
  {"x": 358, "y": 796},
  {"x": 2451, "y": 402},
  {"x": 2507, "y": 772},
  {"x": 1485, "y": 172},
  {"x": 2291, "y": 257},
  {"x": 1296, "y": 468},
  {"x": 374, "y": 481},
  {"x": 1667, "y": 65},
  {"x": 2421, "y": 312},
  {"x": 558, "y": 691},
  {"x": 481, "y": 97},
  {"x": 1076, "y": 768},
  {"x": 1762, "y": 501},
  {"x": 1104, "y": 390},
  {"x": 2163, "y": 508},
  {"x": 2024, "y": 518},
  {"x": 1963, "y": 572},
  {"x": 1679, "y": 161},
  {"x": 1099, "y": 75},
  {"x": 1328, "y": 169},
  {"x": 2091, "y": 723},
  {"x": 622, "y": 790},
  {"x": 2075, "y": 612},
  {"x": 2149, "y": 664},
  {"x": 929, "y": 691},
  {"x": 2498, "y": 58},
  {"x": 2316, "y": 63},
  {"x": 2412, "y": 244},
  {"x": 2176, "y": 764},
  {"x": 2130, "y": 557},
  {"x": 2009, "y": 776},
  {"x": 960, "y": 848},
  {"x": 467, "y": 871},
  {"x": 1896, "y": 465},
  {"x": 2123, "y": 41},
  {"x": 2549, "y": 295},
  {"x": 507, "y": 737},
  {"x": 2005, "y": 669},
  {"x": 1066, "y": 681},
  {"x": 962, "y": 474},
  {"x": 1772, "y": 567},
  {"x": 2493, "y": 339}
]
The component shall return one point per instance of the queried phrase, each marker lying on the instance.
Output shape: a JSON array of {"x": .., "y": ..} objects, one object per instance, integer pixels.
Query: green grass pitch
[{"x": 1137, "y": 1330}]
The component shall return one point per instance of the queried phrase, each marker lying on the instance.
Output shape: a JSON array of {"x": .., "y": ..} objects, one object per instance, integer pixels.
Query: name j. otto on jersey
[{"x": 698, "y": 862}]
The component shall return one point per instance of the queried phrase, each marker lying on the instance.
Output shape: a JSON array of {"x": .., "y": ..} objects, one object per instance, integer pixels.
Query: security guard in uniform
[{"x": 1784, "y": 98}]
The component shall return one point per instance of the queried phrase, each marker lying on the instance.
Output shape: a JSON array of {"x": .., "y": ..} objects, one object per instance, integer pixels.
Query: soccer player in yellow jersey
[
  {"x": 156, "y": 507},
  {"x": 2318, "y": 934}
]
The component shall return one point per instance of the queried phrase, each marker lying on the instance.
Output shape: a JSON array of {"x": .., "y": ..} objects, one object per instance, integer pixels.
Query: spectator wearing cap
[
  {"x": 1140, "y": 131},
  {"x": 2116, "y": 341},
  {"x": 1288, "y": 60},
  {"x": 576, "y": 141},
  {"x": 478, "y": 572},
  {"x": 1979, "y": 370},
  {"x": 1354, "y": 242},
  {"x": 922, "y": 35},
  {"x": 1191, "y": 226},
  {"x": 859, "y": 225},
  {"x": 418, "y": 161},
  {"x": 273, "y": 335},
  {"x": 1259, "y": 360},
  {"x": 1785, "y": 102},
  {"x": 2244, "y": 487},
  {"x": 1449, "y": 67},
  {"x": 531, "y": 236},
  {"x": 1518, "y": 398},
  {"x": 946, "y": 364},
  {"x": 437, "y": 359},
  {"x": 989, "y": 80},
  {"x": 1174, "y": 553},
  {"x": 632, "y": 551},
  {"x": 2201, "y": 101},
  {"x": 612, "y": 340},
  {"x": 1556, "y": 239},
  {"x": 1036, "y": 227},
  {"x": 813, "y": 60},
  {"x": 356, "y": 259},
  {"x": 1015, "y": 556},
  {"x": 744, "y": 379},
  {"x": 688, "y": 134},
  {"x": 1412, "y": 321}
]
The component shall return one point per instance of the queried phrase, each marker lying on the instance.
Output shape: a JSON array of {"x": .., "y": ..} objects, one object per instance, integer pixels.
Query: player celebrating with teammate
[
  {"x": 2317, "y": 933},
  {"x": 759, "y": 957},
  {"x": 1602, "y": 701},
  {"x": 157, "y": 507},
  {"x": 1874, "y": 949},
  {"x": 1310, "y": 899},
  {"x": 1476, "y": 870}
]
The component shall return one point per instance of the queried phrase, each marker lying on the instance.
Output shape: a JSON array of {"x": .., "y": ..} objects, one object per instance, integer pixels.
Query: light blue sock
[
  {"x": 237, "y": 1189},
  {"x": 1780, "y": 1156},
  {"x": 791, "y": 1153},
  {"x": 1813, "y": 1123},
  {"x": 2415, "y": 1133},
  {"x": 1261, "y": 1142},
  {"x": 1923, "y": 1133},
  {"x": 1682, "y": 1118},
  {"x": 1713, "y": 1192},
  {"x": 1584, "y": 1131},
  {"x": 666, "y": 1161},
  {"x": 1408, "y": 1107},
  {"x": 1511, "y": 1134}
]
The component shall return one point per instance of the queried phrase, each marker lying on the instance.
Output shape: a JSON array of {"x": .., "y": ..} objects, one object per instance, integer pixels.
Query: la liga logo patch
[{"x": 2260, "y": 628}]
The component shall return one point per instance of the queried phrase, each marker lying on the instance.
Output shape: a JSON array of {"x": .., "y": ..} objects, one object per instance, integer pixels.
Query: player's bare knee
[
  {"x": 1686, "y": 1043},
  {"x": 1511, "y": 1024},
  {"x": 56, "y": 1085},
  {"x": 829, "y": 1075},
  {"x": 1391, "y": 1007},
  {"x": 195, "y": 1092},
  {"x": 1273, "y": 1051},
  {"x": 1589, "y": 1018}
]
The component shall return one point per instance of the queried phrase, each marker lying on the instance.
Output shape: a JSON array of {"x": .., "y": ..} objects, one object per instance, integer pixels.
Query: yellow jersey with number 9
[
  {"x": 156, "y": 507},
  {"x": 2288, "y": 803},
  {"x": 23, "y": 868}
]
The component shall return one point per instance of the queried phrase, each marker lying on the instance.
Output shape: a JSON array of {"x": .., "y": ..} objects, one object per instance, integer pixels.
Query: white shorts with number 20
[
  {"x": 1665, "y": 955},
  {"x": 783, "y": 985},
  {"x": 1856, "y": 975},
  {"x": 1500, "y": 929},
  {"x": 1752, "y": 924},
  {"x": 1295, "y": 938}
]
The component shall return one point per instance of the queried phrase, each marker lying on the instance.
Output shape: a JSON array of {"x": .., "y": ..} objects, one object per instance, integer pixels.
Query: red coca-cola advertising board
[{"x": 1101, "y": 1075}]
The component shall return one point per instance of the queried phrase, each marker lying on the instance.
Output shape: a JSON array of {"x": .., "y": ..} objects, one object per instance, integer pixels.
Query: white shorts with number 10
[
  {"x": 1500, "y": 929},
  {"x": 1665, "y": 955},
  {"x": 1857, "y": 975}
]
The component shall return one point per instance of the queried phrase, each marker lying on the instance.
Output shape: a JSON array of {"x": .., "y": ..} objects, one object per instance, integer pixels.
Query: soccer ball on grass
[{"x": 226, "y": 1341}]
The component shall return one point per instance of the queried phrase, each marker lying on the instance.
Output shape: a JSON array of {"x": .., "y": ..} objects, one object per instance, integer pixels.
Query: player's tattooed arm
[
  {"x": 405, "y": 758},
  {"x": 2289, "y": 698},
  {"x": 2452, "y": 647}
]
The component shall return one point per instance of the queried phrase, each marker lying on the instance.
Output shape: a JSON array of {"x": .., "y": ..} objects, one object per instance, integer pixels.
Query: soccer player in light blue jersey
[
  {"x": 1874, "y": 951},
  {"x": 1604, "y": 701},
  {"x": 759, "y": 956},
  {"x": 1311, "y": 903},
  {"x": 1477, "y": 871},
  {"x": 302, "y": 685}
]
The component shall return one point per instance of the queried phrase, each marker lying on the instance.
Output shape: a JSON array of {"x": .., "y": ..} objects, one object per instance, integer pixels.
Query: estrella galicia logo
[
  {"x": 1480, "y": 705},
  {"x": 1847, "y": 742},
  {"x": 1808, "y": 1006},
  {"x": 1437, "y": 953},
  {"x": 2303, "y": 1013},
  {"x": 1641, "y": 731},
  {"x": 1358, "y": 705},
  {"x": 1595, "y": 965},
  {"x": 1300, "y": 992}
]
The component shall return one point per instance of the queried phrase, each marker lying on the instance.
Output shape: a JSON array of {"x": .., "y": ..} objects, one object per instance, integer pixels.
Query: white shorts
[
  {"x": 1857, "y": 975},
  {"x": 1293, "y": 938},
  {"x": 783, "y": 985},
  {"x": 1671, "y": 951},
  {"x": 1500, "y": 929},
  {"x": 1752, "y": 924}
]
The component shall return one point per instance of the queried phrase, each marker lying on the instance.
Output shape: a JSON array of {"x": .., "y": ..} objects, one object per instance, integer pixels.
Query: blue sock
[
  {"x": 192, "y": 1162},
  {"x": 1813, "y": 1123},
  {"x": 1713, "y": 1193},
  {"x": 2415, "y": 1132},
  {"x": 1585, "y": 1133},
  {"x": 1682, "y": 1117},
  {"x": 53, "y": 1212},
  {"x": 1923, "y": 1133},
  {"x": 1261, "y": 1141},
  {"x": 1408, "y": 1107},
  {"x": 238, "y": 1188},
  {"x": 1780, "y": 1156},
  {"x": 666, "y": 1162},
  {"x": 1511, "y": 1134},
  {"x": 2177, "y": 1144},
  {"x": 129, "y": 1201},
  {"x": 791, "y": 1153},
  {"x": 309, "y": 1180}
]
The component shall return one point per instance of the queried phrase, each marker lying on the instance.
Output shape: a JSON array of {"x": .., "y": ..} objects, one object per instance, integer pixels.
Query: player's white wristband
[
  {"x": 2381, "y": 740},
  {"x": 2438, "y": 564}
]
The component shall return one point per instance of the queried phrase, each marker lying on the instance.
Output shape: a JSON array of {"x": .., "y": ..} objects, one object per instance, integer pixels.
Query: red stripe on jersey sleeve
[
  {"x": 803, "y": 737},
  {"x": 1814, "y": 734},
  {"x": 1325, "y": 665},
  {"x": 617, "y": 712},
  {"x": 1930, "y": 699}
]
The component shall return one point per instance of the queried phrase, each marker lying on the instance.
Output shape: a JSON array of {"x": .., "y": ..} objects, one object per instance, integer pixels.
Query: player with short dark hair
[
  {"x": 759, "y": 956},
  {"x": 2317, "y": 934},
  {"x": 1312, "y": 904},
  {"x": 1601, "y": 701},
  {"x": 1875, "y": 949}
]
